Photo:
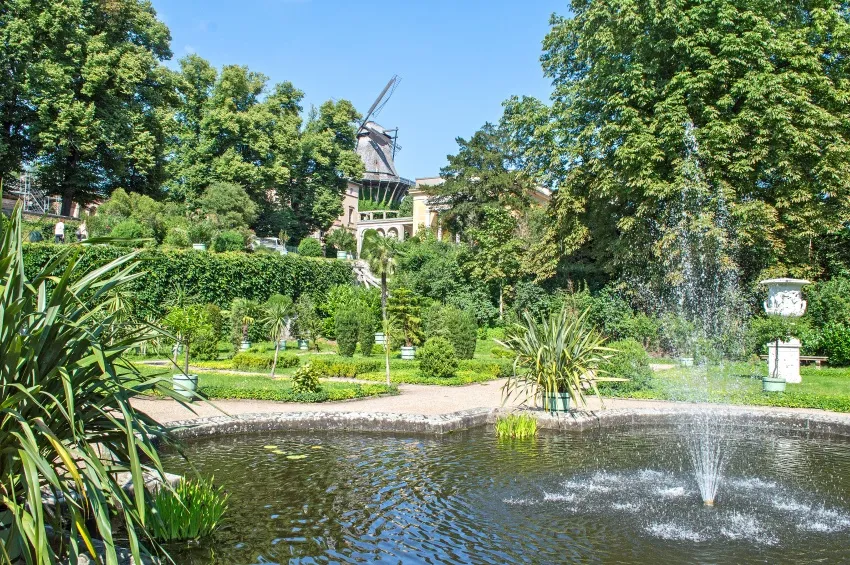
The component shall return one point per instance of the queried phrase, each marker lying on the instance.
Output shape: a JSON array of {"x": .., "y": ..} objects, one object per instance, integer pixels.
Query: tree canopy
[{"x": 751, "y": 94}]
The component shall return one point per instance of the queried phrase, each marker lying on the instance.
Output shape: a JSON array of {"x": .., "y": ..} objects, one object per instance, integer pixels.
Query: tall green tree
[
  {"x": 380, "y": 252},
  {"x": 483, "y": 172},
  {"x": 761, "y": 86},
  {"x": 99, "y": 94}
]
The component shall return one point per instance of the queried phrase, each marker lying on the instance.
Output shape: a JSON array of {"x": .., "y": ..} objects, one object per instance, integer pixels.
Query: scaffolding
[{"x": 26, "y": 189}]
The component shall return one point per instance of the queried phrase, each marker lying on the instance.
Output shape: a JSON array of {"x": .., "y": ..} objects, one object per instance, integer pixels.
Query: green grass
[
  {"x": 252, "y": 387},
  {"x": 740, "y": 383},
  {"x": 411, "y": 376}
]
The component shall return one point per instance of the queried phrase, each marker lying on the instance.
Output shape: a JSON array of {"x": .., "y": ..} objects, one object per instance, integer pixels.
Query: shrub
[
  {"x": 455, "y": 325},
  {"x": 131, "y": 229},
  {"x": 829, "y": 302},
  {"x": 310, "y": 247},
  {"x": 201, "y": 232},
  {"x": 437, "y": 358},
  {"x": 177, "y": 237},
  {"x": 192, "y": 510},
  {"x": 347, "y": 326},
  {"x": 342, "y": 240},
  {"x": 207, "y": 345},
  {"x": 629, "y": 361},
  {"x": 229, "y": 240},
  {"x": 252, "y": 361},
  {"x": 306, "y": 380},
  {"x": 366, "y": 333},
  {"x": 516, "y": 426},
  {"x": 502, "y": 353},
  {"x": 835, "y": 343}
]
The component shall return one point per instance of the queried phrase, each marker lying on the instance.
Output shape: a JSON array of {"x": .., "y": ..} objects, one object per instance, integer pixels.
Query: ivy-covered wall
[{"x": 215, "y": 278}]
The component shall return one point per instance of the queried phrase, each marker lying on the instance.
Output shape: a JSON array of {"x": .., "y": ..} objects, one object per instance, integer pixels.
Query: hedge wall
[{"x": 215, "y": 278}]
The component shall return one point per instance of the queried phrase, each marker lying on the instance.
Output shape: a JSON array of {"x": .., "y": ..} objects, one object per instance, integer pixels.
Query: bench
[{"x": 817, "y": 360}]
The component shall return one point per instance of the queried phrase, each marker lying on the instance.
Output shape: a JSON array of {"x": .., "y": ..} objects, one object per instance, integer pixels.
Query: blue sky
[{"x": 458, "y": 59}]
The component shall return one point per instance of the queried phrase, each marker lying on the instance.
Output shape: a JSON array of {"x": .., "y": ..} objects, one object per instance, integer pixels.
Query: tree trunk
[
  {"x": 501, "y": 302},
  {"x": 386, "y": 323},
  {"x": 274, "y": 361},
  {"x": 186, "y": 372}
]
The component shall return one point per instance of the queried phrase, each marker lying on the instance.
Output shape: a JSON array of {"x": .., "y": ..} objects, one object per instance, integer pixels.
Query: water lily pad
[
  {"x": 279, "y": 452},
  {"x": 296, "y": 457},
  {"x": 317, "y": 447},
  {"x": 269, "y": 447}
]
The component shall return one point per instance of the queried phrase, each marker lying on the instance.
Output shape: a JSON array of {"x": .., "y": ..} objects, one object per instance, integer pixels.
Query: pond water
[{"x": 604, "y": 496}]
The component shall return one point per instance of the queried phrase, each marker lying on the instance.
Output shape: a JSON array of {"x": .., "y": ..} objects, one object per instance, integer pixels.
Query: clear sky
[{"x": 458, "y": 59}]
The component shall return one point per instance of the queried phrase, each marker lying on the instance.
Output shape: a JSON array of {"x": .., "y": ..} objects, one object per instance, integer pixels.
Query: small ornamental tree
[
  {"x": 342, "y": 240},
  {"x": 308, "y": 322},
  {"x": 277, "y": 317},
  {"x": 347, "y": 326},
  {"x": 404, "y": 309},
  {"x": 188, "y": 324}
]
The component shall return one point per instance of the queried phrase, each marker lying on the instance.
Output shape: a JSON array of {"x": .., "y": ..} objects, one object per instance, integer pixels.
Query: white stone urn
[{"x": 785, "y": 298}]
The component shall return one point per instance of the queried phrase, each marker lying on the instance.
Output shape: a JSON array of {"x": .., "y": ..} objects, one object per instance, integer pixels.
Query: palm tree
[
  {"x": 278, "y": 313},
  {"x": 380, "y": 252}
]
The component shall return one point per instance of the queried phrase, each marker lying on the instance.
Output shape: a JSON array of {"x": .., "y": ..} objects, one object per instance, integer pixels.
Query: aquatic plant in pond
[
  {"x": 516, "y": 426},
  {"x": 192, "y": 510}
]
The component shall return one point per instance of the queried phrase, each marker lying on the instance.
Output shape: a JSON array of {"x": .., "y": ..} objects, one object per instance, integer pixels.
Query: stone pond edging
[{"x": 820, "y": 423}]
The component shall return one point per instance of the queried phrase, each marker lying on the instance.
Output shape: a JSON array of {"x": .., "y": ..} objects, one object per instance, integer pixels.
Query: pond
[{"x": 611, "y": 495}]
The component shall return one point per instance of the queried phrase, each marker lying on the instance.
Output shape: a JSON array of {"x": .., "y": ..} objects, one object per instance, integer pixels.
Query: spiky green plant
[
  {"x": 192, "y": 510},
  {"x": 67, "y": 428},
  {"x": 561, "y": 354},
  {"x": 516, "y": 426}
]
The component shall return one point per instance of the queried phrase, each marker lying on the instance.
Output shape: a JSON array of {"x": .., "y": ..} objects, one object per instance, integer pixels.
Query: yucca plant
[
  {"x": 562, "y": 354},
  {"x": 190, "y": 511},
  {"x": 516, "y": 426},
  {"x": 67, "y": 428}
]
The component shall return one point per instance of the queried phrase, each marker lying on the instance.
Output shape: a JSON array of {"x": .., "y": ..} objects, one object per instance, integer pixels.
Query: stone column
[{"x": 785, "y": 364}]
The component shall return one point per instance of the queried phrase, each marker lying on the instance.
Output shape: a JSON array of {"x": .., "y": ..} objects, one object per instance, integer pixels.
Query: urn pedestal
[{"x": 786, "y": 363}]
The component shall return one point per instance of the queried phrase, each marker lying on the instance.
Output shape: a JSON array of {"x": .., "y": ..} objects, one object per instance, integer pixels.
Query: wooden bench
[{"x": 817, "y": 360}]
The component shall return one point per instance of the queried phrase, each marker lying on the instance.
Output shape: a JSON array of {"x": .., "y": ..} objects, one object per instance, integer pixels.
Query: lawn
[
  {"x": 484, "y": 367},
  {"x": 252, "y": 387},
  {"x": 740, "y": 383}
]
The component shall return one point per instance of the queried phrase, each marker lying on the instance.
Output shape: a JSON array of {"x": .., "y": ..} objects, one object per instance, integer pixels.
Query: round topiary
[
  {"x": 310, "y": 247},
  {"x": 306, "y": 380},
  {"x": 437, "y": 359}
]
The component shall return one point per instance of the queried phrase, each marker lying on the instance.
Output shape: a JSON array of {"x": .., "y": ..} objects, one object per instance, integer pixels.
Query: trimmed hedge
[
  {"x": 437, "y": 359},
  {"x": 251, "y": 361},
  {"x": 215, "y": 278}
]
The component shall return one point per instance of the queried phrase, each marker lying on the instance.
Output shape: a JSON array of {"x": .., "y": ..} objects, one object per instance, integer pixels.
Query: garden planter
[
  {"x": 408, "y": 353},
  {"x": 350, "y": 256},
  {"x": 199, "y": 246},
  {"x": 556, "y": 401},
  {"x": 343, "y": 255},
  {"x": 245, "y": 346},
  {"x": 772, "y": 384},
  {"x": 184, "y": 385},
  {"x": 281, "y": 345},
  {"x": 380, "y": 339},
  {"x": 303, "y": 344},
  {"x": 686, "y": 361}
]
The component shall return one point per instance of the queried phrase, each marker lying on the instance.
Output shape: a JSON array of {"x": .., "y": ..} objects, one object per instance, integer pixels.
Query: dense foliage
[
  {"x": 306, "y": 380},
  {"x": 212, "y": 278},
  {"x": 347, "y": 331},
  {"x": 455, "y": 325},
  {"x": 68, "y": 426},
  {"x": 191, "y": 510}
]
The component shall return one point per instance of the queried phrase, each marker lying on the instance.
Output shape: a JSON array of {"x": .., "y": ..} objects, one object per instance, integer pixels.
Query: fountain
[
  {"x": 784, "y": 298},
  {"x": 709, "y": 448}
]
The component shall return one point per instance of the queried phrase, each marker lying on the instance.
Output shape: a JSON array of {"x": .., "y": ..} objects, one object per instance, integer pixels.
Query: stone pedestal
[{"x": 788, "y": 361}]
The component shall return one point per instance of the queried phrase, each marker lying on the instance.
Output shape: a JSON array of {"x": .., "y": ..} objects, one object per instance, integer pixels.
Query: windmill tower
[{"x": 377, "y": 147}]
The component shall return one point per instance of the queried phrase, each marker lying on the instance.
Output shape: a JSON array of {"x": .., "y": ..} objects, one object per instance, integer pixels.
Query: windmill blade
[{"x": 378, "y": 101}]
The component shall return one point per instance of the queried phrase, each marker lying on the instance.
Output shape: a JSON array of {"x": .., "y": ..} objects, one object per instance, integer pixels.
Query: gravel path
[{"x": 426, "y": 400}]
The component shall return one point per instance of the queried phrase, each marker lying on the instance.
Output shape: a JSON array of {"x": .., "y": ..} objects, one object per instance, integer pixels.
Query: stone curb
[{"x": 826, "y": 424}]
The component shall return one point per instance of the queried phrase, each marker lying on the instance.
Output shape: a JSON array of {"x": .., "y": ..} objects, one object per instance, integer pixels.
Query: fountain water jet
[{"x": 709, "y": 448}]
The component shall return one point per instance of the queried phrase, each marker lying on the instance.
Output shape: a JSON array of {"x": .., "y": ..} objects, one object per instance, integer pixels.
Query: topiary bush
[
  {"x": 306, "y": 380},
  {"x": 229, "y": 240},
  {"x": 347, "y": 327},
  {"x": 629, "y": 361},
  {"x": 366, "y": 333},
  {"x": 454, "y": 324},
  {"x": 437, "y": 359},
  {"x": 310, "y": 247}
]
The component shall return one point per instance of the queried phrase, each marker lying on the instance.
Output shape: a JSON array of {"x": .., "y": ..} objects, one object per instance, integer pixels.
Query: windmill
[{"x": 377, "y": 147}]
